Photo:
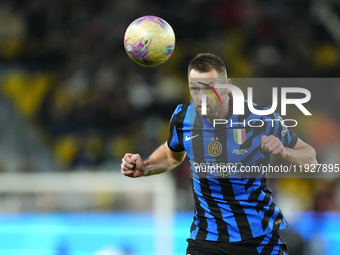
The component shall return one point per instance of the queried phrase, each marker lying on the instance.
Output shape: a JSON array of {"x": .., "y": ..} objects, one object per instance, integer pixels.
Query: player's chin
[{"x": 208, "y": 112}]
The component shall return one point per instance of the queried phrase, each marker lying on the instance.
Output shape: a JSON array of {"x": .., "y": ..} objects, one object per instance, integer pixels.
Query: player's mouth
[{"x": 200, "y": 107}]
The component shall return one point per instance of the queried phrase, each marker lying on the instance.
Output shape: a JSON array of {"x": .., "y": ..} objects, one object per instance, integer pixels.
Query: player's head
[
  {"x": 205, "y": 62},
  {"x": 204, "y": 71}
]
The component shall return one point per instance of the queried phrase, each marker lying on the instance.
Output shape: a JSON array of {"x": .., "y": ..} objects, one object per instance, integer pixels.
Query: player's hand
[
  {"x": 132, "y": 165},
  {"x": 273, "y": 145}
]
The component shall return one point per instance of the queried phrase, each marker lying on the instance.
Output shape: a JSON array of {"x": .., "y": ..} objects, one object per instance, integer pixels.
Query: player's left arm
[{"x": 301, "y": 154}]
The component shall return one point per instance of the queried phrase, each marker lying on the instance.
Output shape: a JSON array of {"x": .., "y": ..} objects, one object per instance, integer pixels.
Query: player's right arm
[{"x": 160, "y": 161}]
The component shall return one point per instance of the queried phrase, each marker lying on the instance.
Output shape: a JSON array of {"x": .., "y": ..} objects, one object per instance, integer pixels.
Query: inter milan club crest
[
  {"x": 239, "y": 136},
  {"x": 214, "y": 148}
]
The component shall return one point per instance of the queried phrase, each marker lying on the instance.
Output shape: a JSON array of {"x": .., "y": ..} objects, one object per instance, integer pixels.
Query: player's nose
[{"x": 199, "y": 96}]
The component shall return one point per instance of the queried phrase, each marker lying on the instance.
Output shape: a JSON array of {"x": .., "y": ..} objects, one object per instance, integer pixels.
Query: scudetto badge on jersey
[
  {"x": 215, "y": 148},
  {"x": 239, "y": 135}
]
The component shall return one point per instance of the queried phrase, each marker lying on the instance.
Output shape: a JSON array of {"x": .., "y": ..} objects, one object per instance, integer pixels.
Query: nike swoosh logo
[{"x": 188, "y": 138}]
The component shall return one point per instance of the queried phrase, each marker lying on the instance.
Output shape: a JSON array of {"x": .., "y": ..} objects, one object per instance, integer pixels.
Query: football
[{"x": 149, "y": 41}]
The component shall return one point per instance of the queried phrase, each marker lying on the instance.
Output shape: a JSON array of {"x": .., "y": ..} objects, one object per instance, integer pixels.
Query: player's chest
[{"x": 233, "y": 143}]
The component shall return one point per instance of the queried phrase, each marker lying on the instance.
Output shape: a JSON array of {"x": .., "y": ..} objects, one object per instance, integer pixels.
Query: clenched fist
[
  {"x": 273, "y": 145},
  {"x": 132, "y": 165}
]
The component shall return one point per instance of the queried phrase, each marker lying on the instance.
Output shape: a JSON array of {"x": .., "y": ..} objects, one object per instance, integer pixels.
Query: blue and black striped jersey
[{"x": 229, "y": 204}]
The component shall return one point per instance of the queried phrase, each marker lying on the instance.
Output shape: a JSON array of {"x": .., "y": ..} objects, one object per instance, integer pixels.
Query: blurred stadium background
[{"x": 72, "y": 103}]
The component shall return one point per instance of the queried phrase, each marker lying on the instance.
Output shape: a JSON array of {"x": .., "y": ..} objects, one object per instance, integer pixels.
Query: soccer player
[{"x": 234, "y": 211}]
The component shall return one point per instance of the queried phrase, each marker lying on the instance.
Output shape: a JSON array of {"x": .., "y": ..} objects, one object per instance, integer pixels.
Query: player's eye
[{"x": 194, "y": 90}]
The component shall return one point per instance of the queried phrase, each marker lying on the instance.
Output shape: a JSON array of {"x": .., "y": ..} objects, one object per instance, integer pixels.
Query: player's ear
[{"x": 228, "y": 81}]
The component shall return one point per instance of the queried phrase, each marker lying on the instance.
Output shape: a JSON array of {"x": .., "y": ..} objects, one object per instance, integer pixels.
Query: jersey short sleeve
[
  {"x": 277, "y": 127},
  {"x": 174, "y": 141}
]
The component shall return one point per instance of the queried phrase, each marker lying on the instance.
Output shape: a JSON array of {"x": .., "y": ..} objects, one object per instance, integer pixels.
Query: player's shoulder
[
  {"x": 260, "y": 107},
  {"x": 182, "y": 108},
  {"x": 179, "y": 114},
  {"x": 257, "y": 106}
]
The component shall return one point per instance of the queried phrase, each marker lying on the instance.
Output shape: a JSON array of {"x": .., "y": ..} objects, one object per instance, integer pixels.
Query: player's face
[{"x": 199, "y": 84}]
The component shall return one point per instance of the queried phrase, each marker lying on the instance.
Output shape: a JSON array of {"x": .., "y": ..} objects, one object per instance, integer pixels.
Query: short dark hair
[{"x": 205, "y": 62}]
